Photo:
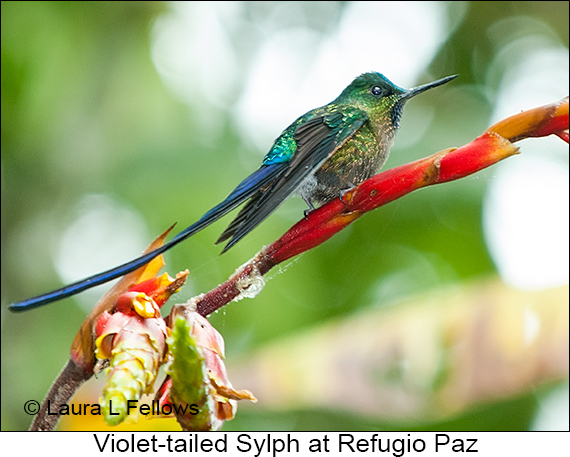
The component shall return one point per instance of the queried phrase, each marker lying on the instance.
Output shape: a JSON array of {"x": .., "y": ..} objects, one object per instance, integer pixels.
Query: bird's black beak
[{"x": 418, "y": 90}]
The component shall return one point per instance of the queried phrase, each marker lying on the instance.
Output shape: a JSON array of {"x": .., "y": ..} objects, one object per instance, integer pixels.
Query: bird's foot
[
  {"x": 309, "y": 209},
  {"x": 343, "y": 193}
]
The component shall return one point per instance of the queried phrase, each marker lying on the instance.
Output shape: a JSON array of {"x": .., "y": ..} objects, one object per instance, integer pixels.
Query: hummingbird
[{"x": 323, "y": 153}]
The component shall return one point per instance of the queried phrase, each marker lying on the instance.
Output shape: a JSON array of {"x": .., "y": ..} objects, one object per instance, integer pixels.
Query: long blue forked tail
[{"x": 244, "y": 191}]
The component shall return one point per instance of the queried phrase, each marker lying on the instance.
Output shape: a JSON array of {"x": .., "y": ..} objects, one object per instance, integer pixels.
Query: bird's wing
[{"x": 316, "y": 140}]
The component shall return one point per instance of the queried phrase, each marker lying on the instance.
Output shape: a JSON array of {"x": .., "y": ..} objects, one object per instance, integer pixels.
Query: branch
[
  {"x": 63, "y": 388},
  {"x": 495, "y": 144}
]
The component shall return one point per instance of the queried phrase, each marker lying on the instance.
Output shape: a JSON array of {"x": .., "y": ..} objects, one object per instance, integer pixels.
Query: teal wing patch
[{"x": 316, "y": 139}]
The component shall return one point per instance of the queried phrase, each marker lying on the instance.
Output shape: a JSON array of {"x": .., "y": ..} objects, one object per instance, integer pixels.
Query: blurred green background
[{"x": 120, "y": 118}]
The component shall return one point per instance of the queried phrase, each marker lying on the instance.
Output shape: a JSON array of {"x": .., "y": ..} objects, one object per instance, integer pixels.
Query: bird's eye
[{"x": 376, "y": 90}]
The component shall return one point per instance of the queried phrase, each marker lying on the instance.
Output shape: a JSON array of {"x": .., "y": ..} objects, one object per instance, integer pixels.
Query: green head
[{"x": 380, "y": 98}]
